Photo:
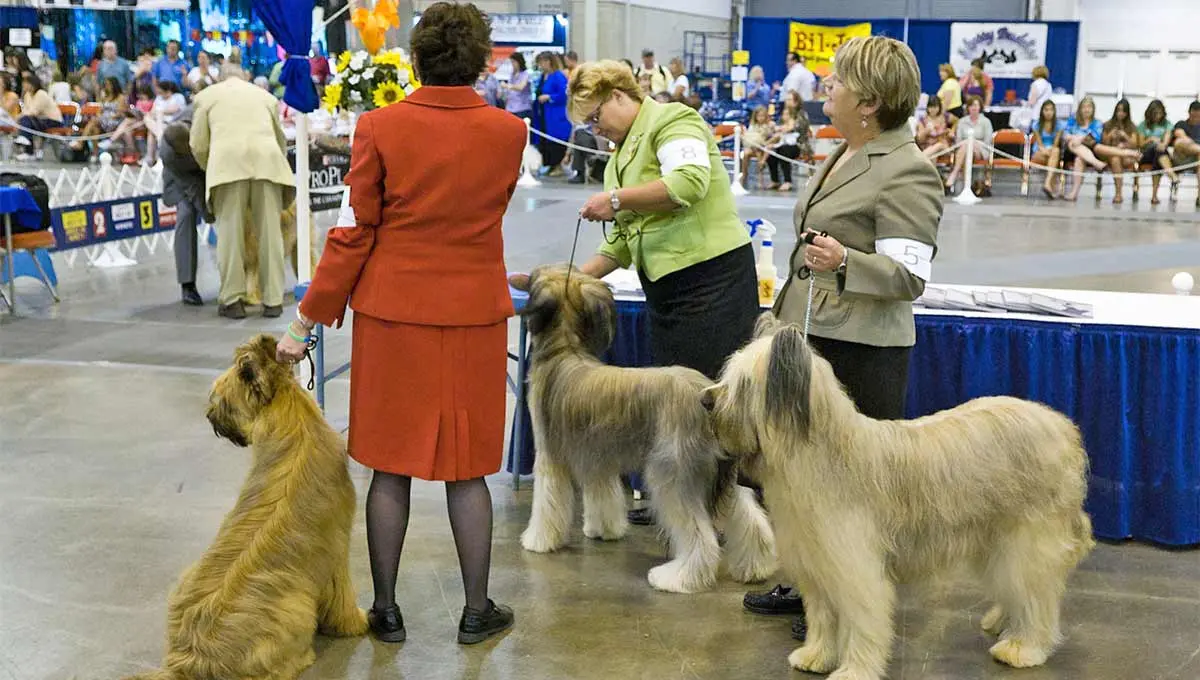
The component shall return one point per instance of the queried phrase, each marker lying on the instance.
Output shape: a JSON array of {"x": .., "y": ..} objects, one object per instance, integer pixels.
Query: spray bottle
[{"x": 765, "y": 269}]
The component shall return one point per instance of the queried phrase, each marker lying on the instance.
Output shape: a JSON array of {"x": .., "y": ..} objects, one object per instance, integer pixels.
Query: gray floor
[{"x": 113, "y": 482}]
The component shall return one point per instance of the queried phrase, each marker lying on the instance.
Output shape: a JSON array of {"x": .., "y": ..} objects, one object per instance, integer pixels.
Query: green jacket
[{"x": 668, "y": 142}]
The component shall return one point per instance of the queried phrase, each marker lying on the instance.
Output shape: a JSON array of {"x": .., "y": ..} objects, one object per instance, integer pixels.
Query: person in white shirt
[
  {"x": 680, "y": 87},
  {"x": 1040, "y": 89},
  {"x": 203, "y": 74},
  {"x": 660, "y": 77},
  {"x": 799, "y": 78}
]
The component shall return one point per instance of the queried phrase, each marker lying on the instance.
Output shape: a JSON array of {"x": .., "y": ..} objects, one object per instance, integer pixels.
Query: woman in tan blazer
[{"x": 879, "y": 199}]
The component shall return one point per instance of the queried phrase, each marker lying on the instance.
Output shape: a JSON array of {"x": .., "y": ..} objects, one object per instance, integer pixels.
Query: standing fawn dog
[
  {"x": 593, "y": 422},
  {"x": 859, "y": 505},
  {"x": 278, "y": 570}
]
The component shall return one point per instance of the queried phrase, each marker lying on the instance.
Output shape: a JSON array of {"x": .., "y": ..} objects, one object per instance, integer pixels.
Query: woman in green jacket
[{"x": 667, "y": 191}]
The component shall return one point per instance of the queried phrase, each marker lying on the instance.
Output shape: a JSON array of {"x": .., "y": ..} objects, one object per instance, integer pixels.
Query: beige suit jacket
[
  {"x": 236, "y": 135},
  {"x": 884, "y": 206}
]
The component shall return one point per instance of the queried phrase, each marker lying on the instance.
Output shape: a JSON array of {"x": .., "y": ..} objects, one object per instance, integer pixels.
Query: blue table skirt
[{"x": 1133, "y": 392}]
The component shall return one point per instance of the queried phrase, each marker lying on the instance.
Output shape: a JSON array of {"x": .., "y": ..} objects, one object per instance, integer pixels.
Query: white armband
[
  {"x": 683, "y": 151},
  {"x": 345, "y": 216},
  {"x": 915, "y": 256}
]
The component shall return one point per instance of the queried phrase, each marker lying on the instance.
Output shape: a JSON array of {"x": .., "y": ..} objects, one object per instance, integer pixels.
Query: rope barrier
[
  {"x": 1031, "y": 165},
  {"x": 569, "y": 145},
  {"x": 73, "y": 138}
]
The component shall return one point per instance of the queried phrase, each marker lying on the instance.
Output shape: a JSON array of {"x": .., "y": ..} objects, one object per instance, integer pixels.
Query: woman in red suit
[{"x": 422, "y": 264}]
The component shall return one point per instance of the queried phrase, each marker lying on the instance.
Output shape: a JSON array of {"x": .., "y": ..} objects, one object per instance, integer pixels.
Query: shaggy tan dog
[
  {"x": 287, "y": 223},
  {"x": 995, "y": 485},
  {"x": 278, "y": 570},
  {"x": 592, "y": 422}
]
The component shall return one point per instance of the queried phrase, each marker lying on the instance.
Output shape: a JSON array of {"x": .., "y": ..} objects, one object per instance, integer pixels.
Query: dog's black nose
[{"x": 707, "y": 400}]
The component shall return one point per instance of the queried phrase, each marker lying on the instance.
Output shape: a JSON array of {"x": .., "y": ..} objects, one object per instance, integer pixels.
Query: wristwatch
[{"x": 614, "y": 201}]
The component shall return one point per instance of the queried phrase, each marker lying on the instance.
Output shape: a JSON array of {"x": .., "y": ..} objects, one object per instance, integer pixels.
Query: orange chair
[
  {"x": 1013, "y": 138},
  {"x": 31, "y": 242},
  {"x": 826, "y": 132},
  {"x": 91, "y": 109}
]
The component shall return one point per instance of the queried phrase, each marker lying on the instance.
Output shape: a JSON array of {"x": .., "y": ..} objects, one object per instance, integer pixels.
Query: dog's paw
[
  {"x": 1018, "y": 654},
  {"x": 538, "y": 541},
  {"x": 813, "y": 659},
  {"x": 672, "y": 578},
  {"x": 606, "y": 531},
  {"x": 994, "y": 621}
]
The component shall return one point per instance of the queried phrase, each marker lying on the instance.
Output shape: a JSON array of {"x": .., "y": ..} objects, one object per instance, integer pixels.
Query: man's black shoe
[{"x": 779, "y": 600}]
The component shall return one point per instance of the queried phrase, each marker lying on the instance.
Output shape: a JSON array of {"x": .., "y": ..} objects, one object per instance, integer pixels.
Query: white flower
[
  {"x": 336, "y": 80},
  {"x": 358, "y": 61},
  {"x": 354, "y": 79},
  {"x": 356, "y": 96},
  {"x": 369, "y": 74},
  {"x": 402, "y": 77}
]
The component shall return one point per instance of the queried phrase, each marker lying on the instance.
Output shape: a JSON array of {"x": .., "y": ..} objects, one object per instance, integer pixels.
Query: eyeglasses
[
  {"x": 594, "y": 118},
  {"x": 831, "y": 80}
]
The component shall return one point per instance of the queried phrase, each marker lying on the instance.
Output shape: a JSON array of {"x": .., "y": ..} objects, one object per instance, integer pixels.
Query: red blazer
[{"x": 430, "y": 179}]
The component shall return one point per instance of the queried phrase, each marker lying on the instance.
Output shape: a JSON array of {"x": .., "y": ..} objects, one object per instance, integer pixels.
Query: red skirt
[{"x": 428, "y": 401}]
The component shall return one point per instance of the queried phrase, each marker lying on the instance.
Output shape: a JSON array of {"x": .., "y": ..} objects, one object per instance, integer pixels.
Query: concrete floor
[{"x": 113, "y": 483}]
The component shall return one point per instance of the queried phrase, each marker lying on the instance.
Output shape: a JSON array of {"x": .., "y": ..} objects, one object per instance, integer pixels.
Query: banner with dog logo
[{"x": 1008, "y": 50}]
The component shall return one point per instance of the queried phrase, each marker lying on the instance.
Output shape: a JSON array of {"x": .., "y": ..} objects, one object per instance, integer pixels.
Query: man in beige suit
[{"x": 237, "y": 138}]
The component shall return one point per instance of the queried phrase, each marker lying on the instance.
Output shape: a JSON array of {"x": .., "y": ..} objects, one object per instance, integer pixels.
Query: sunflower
[
  {"x": 388, "y": 93},
  {"x": 333, "y": 97},
  {"x": 388, "y": 58}
]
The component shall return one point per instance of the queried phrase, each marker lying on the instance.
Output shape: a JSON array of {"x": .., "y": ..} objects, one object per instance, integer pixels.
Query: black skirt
[{"x": 702, "y": 314}]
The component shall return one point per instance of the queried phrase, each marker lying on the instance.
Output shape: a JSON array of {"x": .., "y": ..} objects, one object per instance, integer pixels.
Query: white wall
[
  {"x": 719, "y": 9},
  {"x": 1151, "y": 52},
  {"x": 661, "y": 30}
]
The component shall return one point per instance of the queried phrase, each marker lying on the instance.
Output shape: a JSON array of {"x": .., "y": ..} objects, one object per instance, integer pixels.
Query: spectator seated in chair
[
  {"x": 1045, "y": 134},
  {"x": 1120, "y": 147},
  {"x": 1155, "y": 134},
  {"x": 1186, "y": 142}
]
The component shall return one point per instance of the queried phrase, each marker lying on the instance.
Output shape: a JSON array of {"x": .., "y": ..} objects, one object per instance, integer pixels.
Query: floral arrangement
[{"x": 364, "y": 82}]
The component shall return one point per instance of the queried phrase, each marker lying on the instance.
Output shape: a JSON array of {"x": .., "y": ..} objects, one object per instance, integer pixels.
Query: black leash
[{"x": 310, "y": 343}]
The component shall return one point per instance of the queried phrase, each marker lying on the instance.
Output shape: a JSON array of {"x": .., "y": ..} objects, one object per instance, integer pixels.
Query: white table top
[{"x": 1118, "y": 309}]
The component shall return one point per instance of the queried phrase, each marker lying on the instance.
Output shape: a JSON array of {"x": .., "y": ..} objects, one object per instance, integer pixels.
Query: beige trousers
[{"x": 249, "y": 204}]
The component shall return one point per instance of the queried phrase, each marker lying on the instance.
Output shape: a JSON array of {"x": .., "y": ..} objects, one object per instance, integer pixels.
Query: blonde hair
[
  {"x": 757, "y": 71},
  {"x": 947, "y": 68},
  {"x": 1041, "y": 72},
  {"x": 594, "y": 82},
  {"x": 881, "y": 71}
]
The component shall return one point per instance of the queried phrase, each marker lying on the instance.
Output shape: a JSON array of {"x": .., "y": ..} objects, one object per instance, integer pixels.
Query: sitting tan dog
[{"x": 278, "y": 570}]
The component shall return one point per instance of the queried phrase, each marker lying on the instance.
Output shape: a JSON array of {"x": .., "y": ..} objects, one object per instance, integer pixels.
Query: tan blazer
[
  {"x": 884, "y": 206},
  {"x": 236, "y": 135}
]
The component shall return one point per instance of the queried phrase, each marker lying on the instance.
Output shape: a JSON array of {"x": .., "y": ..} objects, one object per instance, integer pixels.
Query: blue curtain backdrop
[
  {"x": 290, "y": 21},
  {"x": 767, "y": 40}
]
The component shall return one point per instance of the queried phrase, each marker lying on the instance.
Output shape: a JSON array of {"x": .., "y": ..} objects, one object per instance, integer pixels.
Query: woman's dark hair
[
  {"x": 1156, "y": 113},
  {"x": 111, "y": 88},
  {"x": 1126, "y": 125},
  {"x": 1042, "y": 123},
  {"x": 6, "y": 80},
  {"x": 32, "y": 79},
  {"x": 451, "y": 44},
  {"x": 144, "y": 91},
  {"x": 973, "y": 99},
  {"x": 935, "y": 102},
  {"x": 520, "y": 59},
  {"x": 168, "y": 86}
]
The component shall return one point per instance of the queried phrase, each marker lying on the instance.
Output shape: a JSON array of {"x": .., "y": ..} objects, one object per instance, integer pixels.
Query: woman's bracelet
[{"x": 291, "y": 331}]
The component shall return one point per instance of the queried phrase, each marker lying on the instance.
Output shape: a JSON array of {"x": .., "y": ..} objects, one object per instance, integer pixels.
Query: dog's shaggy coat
[
  {"x": 592, "y": 422},
  {"x": 858, "y": 505},
  {"x": 278, "y": 570}
]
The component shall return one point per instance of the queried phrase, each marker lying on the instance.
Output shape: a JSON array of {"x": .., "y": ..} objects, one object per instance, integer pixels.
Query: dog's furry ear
[
  {"x": 789, "y": 375},
  {"x": 257, "y": 367},
  {"x": 766, "y": 324},
  {"x": 539, "y": 311},
  {"x": 599, "y": 322}
]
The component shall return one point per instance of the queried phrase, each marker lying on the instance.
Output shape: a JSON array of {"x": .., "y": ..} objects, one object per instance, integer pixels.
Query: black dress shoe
[
  {"x": 477, "y": 626},
  {"x": 191, "y": 296},
  {"x": 387, "y": 625},
  {"x": 233, "y": 310},
  {"x": 779, "y": 600},
  {"x": 800, "y": 628},
  {"x": 272, "y": 311},
  {"x": 642, "y": 517}
]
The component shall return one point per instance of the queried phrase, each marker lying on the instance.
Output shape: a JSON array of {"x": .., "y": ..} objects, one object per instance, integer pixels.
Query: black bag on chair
[{"x": 41, "y": 195}]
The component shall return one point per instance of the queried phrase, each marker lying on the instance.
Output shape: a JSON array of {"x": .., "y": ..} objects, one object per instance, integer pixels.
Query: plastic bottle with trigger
[{"x": 765, "y": 269}]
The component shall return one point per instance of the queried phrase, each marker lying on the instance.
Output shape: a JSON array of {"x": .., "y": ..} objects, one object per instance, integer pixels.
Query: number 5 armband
[{"x": 913, "y": 255}]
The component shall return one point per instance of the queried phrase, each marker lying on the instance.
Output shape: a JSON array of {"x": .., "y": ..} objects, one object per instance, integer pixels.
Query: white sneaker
[
  {"x": 24, "y": 157},
  {"x": 23, "y": 141}
]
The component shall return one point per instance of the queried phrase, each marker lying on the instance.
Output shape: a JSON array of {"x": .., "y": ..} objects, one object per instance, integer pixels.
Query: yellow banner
[{"x": 817, "y": 44}]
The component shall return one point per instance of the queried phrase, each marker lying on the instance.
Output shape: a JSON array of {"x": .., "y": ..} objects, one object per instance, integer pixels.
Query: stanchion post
[
  {"x": 527, "y": 179},
  {"x": 303, "y": 208},
  {"x": 968, "y": 197},
  {"x": 737, "y": 187}
]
